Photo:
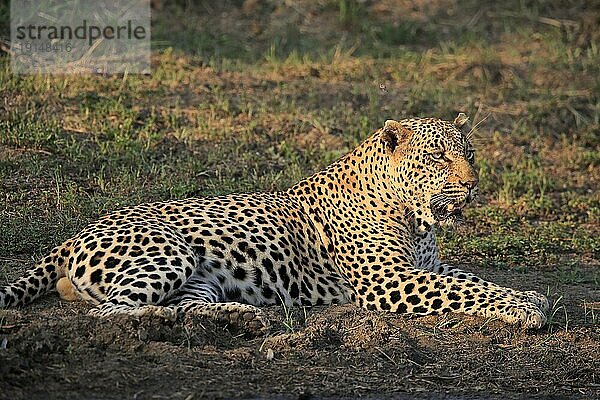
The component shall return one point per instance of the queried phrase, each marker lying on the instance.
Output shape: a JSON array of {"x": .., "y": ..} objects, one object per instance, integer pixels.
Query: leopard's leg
[
  {"x": 420, "y": 292},
  {"x": 244, "y": 316},
  {"x": 123, "y": 306},
  {"x": 134, "y": 291},
  {"x": 201, "y": 296},
  {"x": 530, "y": 295},
  {"x": 136, "y": 296},
  {"x": 427, "y": 259},
  {"x": 131, "y": 278}
]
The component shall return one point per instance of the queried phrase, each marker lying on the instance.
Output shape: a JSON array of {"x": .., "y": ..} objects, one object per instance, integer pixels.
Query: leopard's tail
[{"x": 38, "y": 280}]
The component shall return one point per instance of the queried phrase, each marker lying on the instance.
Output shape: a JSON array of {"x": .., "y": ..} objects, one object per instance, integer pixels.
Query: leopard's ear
[
  {"x": 460, "y": 120},
  {"x": 462, "y": 123},
  {"x": 394, "y": 134}
]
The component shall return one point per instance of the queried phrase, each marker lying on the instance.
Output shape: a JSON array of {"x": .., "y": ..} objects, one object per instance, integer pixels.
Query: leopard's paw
[
  {"x": 528, "y": 315},
  {"x": 246, "y": 317},
  {"x": 166, "y": 313}
]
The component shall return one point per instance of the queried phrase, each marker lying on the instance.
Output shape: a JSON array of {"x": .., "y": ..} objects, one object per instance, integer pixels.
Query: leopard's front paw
[{"x": 527, "y": 314}]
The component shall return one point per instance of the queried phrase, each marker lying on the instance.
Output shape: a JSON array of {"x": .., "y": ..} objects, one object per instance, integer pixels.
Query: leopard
[{"x": 360, "y": 231}]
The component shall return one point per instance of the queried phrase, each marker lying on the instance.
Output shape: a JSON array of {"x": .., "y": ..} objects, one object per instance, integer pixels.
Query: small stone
[
  {"x": 270, "y": 354},
  {"x": 142, "y": 334}
]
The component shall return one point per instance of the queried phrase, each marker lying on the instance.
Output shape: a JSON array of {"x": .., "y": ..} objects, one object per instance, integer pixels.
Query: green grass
[{"x": 255, "y": 100}]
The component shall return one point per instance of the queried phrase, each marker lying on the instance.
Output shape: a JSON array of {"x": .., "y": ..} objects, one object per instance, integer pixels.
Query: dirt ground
[
  {"x": 53, "y": 349},
  {"x": 254, "y": 95}
]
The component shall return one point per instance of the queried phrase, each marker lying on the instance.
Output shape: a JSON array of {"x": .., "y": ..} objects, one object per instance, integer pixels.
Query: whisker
[{"x": 476, "y": 126}]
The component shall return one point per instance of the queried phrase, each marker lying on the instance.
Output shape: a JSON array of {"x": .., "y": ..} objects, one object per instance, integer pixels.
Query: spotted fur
[{"x": 360, "y": 231}]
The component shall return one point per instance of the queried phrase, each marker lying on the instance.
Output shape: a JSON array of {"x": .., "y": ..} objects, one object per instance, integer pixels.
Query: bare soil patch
[{"x": 54, "y": 350}]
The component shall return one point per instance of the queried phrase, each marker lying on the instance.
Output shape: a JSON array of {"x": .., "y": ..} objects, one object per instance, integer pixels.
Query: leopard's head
[{"x": 432, "y": 168}]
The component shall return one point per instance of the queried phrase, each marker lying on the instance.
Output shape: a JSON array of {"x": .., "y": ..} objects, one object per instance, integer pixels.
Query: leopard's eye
[
  {"x": 471, "y": 156},
  {"x": 439, "y": 156}
]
